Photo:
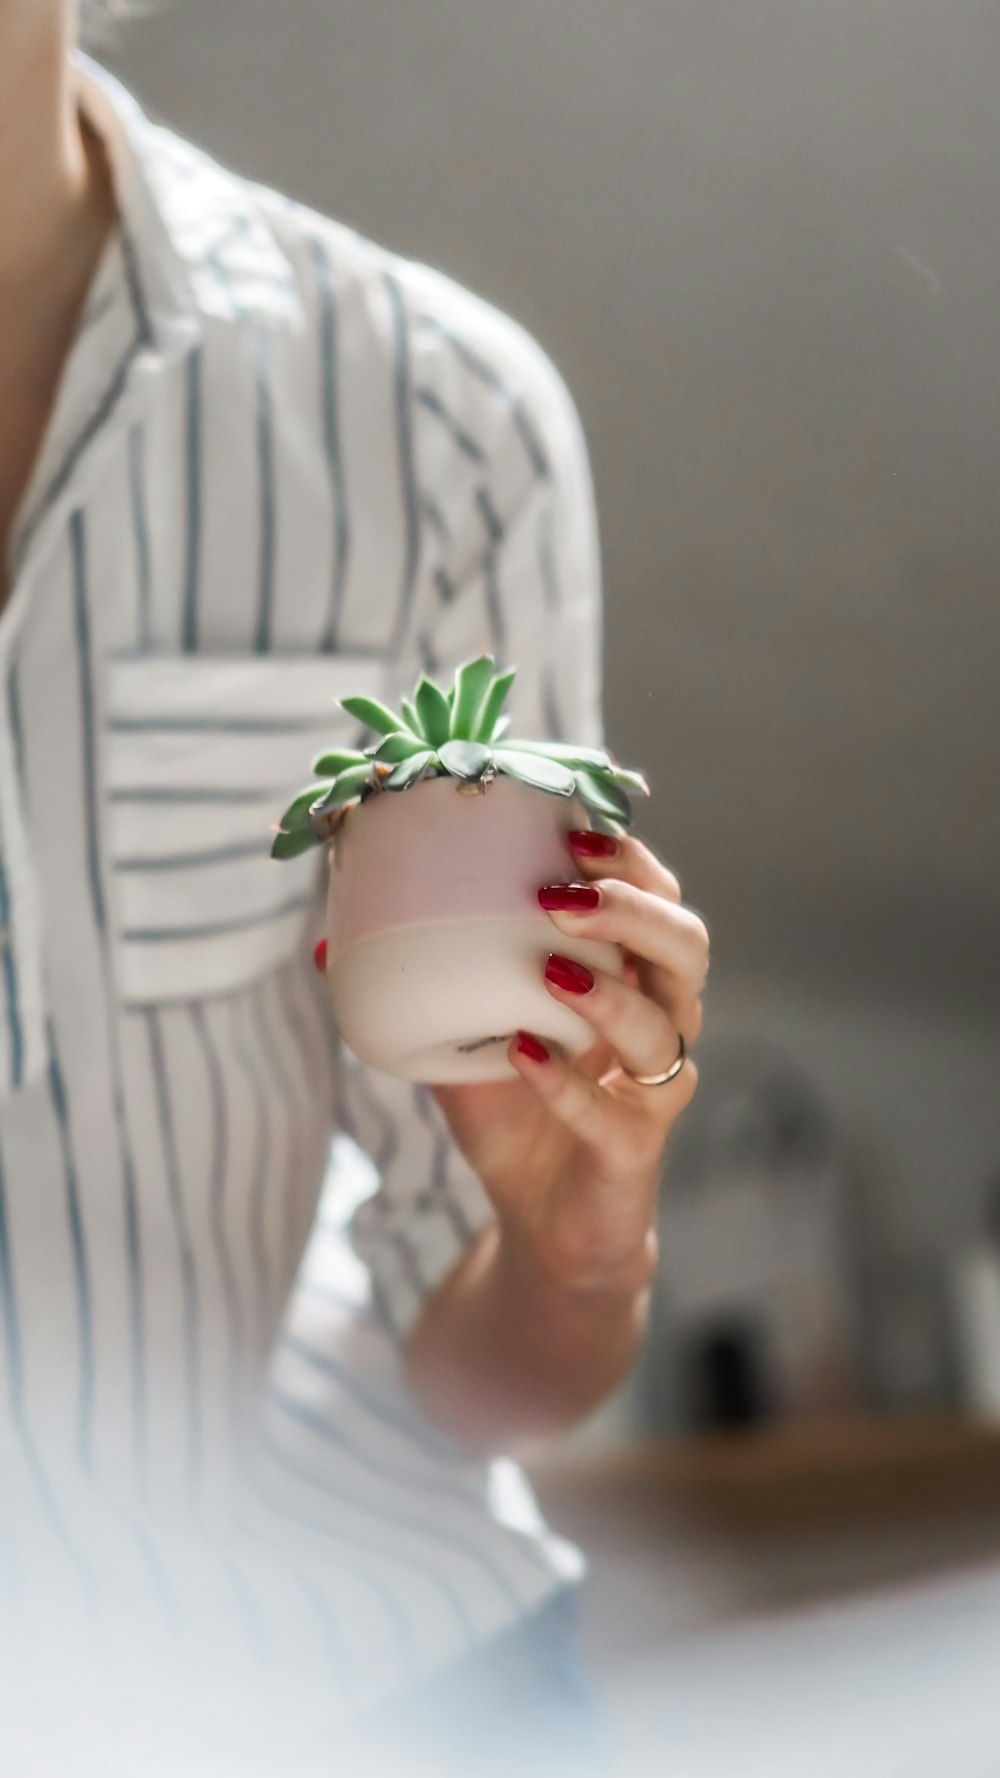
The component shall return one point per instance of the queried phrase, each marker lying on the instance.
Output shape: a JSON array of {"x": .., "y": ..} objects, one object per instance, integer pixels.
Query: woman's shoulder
[{"x": 383, "y": 299}]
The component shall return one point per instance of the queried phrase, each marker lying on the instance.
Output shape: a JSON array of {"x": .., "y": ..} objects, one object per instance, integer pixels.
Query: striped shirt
[{"x": 283, "y": 465}]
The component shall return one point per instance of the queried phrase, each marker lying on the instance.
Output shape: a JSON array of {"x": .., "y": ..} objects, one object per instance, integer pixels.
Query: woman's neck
[
  {"x": 47, "y": 192},
  {"x": 57, "y": 211}
]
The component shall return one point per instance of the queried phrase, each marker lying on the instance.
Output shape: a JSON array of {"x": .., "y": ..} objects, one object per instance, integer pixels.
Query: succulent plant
[{"x": 461, "y": 734}]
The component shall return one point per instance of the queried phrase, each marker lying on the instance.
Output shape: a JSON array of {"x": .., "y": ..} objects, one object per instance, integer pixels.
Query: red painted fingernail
[
  {"x": 529, "y": 1046},
  {"x": 319, "y": 956},
  {"x": 569, "y": 898},
  {"x": 563, "y": 972},
  {"x": 592, "y": 845}
]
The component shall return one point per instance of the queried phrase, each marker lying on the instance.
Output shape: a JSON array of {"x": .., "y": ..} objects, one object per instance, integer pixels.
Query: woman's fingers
[
  {"x": 664, "y": 933},
  {"x": 605, "y": 855},
  {"x": 624, "y": 1124},
  {"x": 638, "y": 1030},
  {"x": 578, "y": 1102}
]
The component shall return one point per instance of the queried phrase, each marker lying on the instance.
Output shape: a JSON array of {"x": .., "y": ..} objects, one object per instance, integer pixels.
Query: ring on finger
[{"x": 660, "y": 1080}]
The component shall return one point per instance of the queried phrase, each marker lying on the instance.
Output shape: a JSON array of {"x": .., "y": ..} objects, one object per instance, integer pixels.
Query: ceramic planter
[{"x": 436, "y": 943}]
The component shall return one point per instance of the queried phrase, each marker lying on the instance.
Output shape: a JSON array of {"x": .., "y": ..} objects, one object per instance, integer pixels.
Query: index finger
[{"x": 605, "y": 855}]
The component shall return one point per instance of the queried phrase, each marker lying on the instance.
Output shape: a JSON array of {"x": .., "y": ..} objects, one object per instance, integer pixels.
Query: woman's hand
[
  {"x": 571, "y": 1153},
  {"x": 542, "y": 1316}
]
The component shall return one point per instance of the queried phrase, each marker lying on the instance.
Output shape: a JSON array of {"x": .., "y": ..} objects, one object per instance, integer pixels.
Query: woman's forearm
[{"x": 504, "y": 1354}]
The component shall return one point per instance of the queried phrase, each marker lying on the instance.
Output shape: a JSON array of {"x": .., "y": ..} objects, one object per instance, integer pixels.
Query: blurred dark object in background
[
  {"x": 723, "y": 1374},
  {"x": 758, "y": 1311}
]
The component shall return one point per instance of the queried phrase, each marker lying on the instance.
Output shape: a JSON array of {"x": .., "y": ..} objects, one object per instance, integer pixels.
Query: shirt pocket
[{"x": 203, "y": 753}]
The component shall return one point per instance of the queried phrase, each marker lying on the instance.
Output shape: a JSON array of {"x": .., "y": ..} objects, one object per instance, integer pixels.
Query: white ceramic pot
[{"x": 436, "y": 942}]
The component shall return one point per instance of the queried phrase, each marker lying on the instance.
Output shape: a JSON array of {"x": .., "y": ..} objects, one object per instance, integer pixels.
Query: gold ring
[{"x": 659, "y": 1080}]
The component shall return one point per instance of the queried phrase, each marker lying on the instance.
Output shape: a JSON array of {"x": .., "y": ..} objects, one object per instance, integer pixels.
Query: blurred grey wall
[{"x": 760, "y": 239}]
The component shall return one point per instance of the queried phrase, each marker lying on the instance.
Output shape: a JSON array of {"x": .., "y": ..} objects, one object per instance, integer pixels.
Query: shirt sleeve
[{"x": 509, "y": 564}]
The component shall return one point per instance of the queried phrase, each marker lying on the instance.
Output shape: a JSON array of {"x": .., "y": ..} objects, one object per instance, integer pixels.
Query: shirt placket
[
  {"x": 23, "y": 1047},
  {"x": 99, "y": 386}
]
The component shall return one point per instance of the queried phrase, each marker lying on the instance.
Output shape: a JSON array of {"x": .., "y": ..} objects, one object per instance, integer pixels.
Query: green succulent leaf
[
  {"x": 569, "y": 755},
  {"x": 633, "y": 781},
  {"x": 411, "y": 718},
  {"x": 492, "y": 705},
  {"x": 296, "y": 816},
  {"x": 410, "y": 770},
  {"x": 533, "y": 769},
  {"x": 327, "y": 765},
  {"x": 457, "y": 732},
  {"x": 472, "y": 681},
  {"x": 600, "y": 792},
  {"x": 396, "y": 747},
  {"x": 347, "y": 785},
  {"x": 465, "y": 759},
  {"x": 291, "y": 845},
  {"x": 433, "y": 711},
  {"x": 373, "y": 714}
]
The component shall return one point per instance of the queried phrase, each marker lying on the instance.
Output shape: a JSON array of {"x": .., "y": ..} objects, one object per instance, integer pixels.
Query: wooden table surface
[{"x": 854, "y": 1471}]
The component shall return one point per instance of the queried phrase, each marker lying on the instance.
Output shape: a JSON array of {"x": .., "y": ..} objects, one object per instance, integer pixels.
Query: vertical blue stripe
[
  {"x": 282, "y": 1509},
  {"x": 435, "y": 517},
  {"x": 551, "y": 713},
  {"x": 137, "y": 1310},
  {"x": 88, "y": 762},
  {"x": 344, "y": 1670},
  {"x": 328, "y": 340},
  {"x": 250, "y": 1612},
  {"x": 314, "y": 1070},
  {"x": 140, "y": 533},
  {"x": 217, "y": 1208},
  {"x": 164, "y": 1592},
  {"x": 189, "y": 1277},
  {"x": 320, "y": 1039},
  {"x": 257, "y": 1195},
  {"x": 385, "y": 1154},
  {"x": 491, "y": 586},
  {"x": 407, "y": 467},
  {"x": 400, "y": 1416},
  {"x": 8, "y": 952},
  {"x": 440, "y": 1486},
  {"x": 137, "y": 297},
  {"x": 265, "y": 472},
  {"x": 520, "y": 417},
  {"x": 81, "y": 1264},
  {"x": 8, "y": 965},
  {"x": 263, "y": 1023},
  {"x": 14, "y": 1351},
  {"x": 435, "y": 1533},
  {"x": 16, "y": 721},
  {"x": 193, "y": 492},
  {"x": 367, "y": 1097}
]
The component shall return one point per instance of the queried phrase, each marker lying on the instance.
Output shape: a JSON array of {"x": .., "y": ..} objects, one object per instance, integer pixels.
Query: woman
[{"x": 241, "y": 447}]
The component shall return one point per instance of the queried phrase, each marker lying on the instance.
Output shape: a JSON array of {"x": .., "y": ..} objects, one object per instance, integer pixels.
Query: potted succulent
[{"x": 441, "y": 833}]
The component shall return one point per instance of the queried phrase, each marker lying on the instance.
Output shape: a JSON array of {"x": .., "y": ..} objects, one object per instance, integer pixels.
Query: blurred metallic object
[{"x": 660, "y": 1080}]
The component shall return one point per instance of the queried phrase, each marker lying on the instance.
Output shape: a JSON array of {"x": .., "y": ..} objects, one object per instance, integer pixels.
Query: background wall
[{"x": 759, "y": 237}]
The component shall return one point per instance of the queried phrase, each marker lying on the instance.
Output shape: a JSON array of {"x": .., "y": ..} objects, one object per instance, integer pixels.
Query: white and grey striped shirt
[{"x": 284, "y": 464}]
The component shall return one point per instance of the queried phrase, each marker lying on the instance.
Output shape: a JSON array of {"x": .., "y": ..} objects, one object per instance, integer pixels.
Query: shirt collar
[{"x": 198, "y": 240}]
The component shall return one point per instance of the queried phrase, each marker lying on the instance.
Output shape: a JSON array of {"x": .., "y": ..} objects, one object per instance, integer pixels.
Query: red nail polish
[
  {"x": 564, "y": 973},
  {"x": 569, "y": 898},
  {"x": 319, "y": 956},
  {"x": 529, "y": 1046},
  {"x": 592, "y": 845}
]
